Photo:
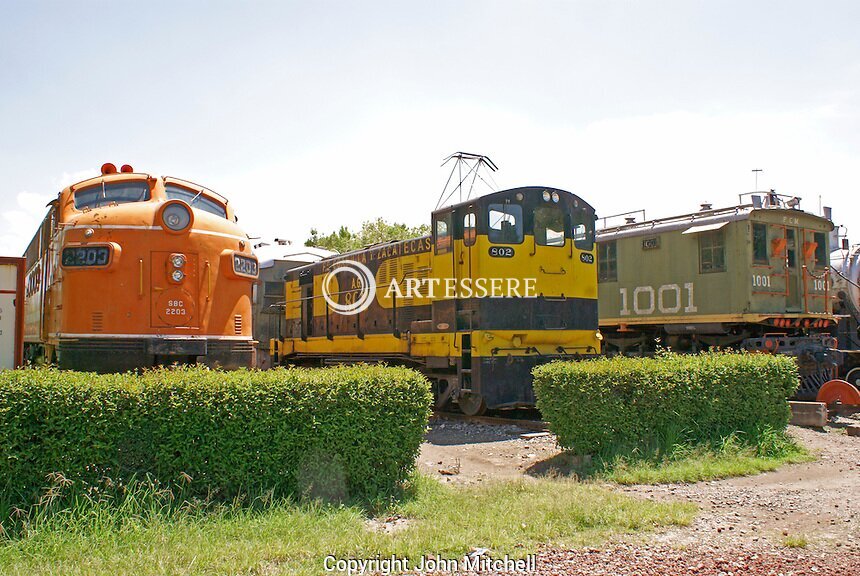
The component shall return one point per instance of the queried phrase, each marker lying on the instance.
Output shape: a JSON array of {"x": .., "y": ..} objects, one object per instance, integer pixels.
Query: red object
[
  {"x": 108, "y": 168},
  {"x": 839, "y": 391},
  {"x": 126, "y": 169},
  {"x": 20, "y": 263}
]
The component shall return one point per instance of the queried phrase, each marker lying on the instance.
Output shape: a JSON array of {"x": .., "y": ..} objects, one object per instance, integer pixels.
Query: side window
[
  {"x": 443, "y": 234},
  {"x": 607, "y": 261},
  {"x": 712, "y": 252},
  {"x": 583, "y": 230},
  {"x": 470, "y": 232},
  {"x": 759, "y": 239},
  {"x": 506, "y": 224},
  {"x": 549, "y": 226},
  {"x": 821, "y": 250}
]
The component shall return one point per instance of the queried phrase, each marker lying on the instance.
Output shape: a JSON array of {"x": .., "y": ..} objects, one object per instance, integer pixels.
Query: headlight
[
  {"x": 546, "y": 196},
  {"x": 176, "y": 217},
  {"x": 177, "y": 275},
  {"x": 555, "y": 197},
  {"x": 178, "y": 260}
]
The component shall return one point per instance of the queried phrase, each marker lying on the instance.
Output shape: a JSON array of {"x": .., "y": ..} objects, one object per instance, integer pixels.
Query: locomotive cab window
[
  {"x": 821, "y": 250},
  {"x": 443, "y": 234},
  {"x": 470, "y": 232},
  {"x": 506, "y": 224},
  {"x": 108, "y": 193},
  {"x": 195, "y": 200},
  {"x": 607, "y": 262},
  {"x": 712, "y": 252},
  {"x": 549, "y": 226},
  {"x": 583, "y": 230},
  {"x": 759, "y": 238}
]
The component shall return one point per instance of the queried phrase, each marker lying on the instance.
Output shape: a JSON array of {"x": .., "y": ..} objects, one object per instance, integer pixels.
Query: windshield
[
  {"x": 549, "y": 226},
  {"x": 506, "y": 223},
  {"x": 196, "y": 200},
  {"x": 583, "y": 229},
  {"x": 109, "y": 193}
]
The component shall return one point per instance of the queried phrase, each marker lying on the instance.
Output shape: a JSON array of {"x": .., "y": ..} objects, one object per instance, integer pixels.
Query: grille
[
  {"x": 103, "y": 344},
  {"x": 237, "y": 324},
  {"x": 229, "y": 346},
  {"x": 98, "y": 321}
]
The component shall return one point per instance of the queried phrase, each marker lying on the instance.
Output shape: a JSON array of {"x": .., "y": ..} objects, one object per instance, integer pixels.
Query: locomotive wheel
[
  {"x": 853, "y": 377},
  {"x": 472, "y": 404},
  {"x": 839, "y": 391}
]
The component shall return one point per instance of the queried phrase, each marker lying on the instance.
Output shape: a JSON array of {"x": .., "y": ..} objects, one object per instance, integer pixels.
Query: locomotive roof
[
  {"x": 479, "y": 200},
  {"x": 486, "y": 197},
  {"x": 120, "y": 176},
  {"x": 268, "y": 254},
  {"x": 702, "y": 221}
]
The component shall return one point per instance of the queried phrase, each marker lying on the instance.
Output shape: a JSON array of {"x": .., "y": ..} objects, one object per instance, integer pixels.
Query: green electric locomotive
[{"x": 753, "y": 276}]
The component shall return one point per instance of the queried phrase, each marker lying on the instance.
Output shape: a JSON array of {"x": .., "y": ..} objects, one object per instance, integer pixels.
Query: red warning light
[
  {"x": 126, "y": 169},
  {"x": 108, "y": 168}
]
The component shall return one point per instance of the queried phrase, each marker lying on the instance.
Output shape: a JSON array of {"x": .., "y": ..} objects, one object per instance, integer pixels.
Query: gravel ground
[
  {"x": 743, "y": 523},
  {"x": 817, "y": 501},
  {"x": 701, "y": 560}
]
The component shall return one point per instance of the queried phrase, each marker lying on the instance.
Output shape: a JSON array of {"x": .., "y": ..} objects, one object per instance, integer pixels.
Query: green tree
[{"x": 371, "y": 232}]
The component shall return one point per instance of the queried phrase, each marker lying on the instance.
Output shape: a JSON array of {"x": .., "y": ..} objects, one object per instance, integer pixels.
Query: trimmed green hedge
[
  {"x": 626, "y": 404},
  {"x": 337, "y": 432}
]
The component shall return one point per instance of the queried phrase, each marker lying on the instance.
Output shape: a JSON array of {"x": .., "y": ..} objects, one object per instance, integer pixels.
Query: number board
[
  {"x": 79, "y": 256},
  {"x": 244, "y": 265},
  {"x": 651, "y": 243},
  {"x": 501, "y": 252}
]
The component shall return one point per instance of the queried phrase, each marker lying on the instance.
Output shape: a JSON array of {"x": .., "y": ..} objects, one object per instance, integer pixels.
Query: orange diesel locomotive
[{"x": 130, "y": 270}]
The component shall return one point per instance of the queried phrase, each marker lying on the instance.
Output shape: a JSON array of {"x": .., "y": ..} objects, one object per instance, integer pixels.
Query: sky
[{"x": 318, "y": 114}]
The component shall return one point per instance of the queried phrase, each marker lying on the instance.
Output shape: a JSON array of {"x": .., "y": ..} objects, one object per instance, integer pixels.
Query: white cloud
[{"x": 20, "y": 223}]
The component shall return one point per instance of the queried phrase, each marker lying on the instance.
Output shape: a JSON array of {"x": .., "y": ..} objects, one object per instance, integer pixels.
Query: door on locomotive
[
  {"x": 793, "y": 270},
  {"x": 465, "y": 267}
]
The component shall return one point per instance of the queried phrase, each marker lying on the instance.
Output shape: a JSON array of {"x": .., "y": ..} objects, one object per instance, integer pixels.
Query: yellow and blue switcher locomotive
[{"x": 505, "y": 282}]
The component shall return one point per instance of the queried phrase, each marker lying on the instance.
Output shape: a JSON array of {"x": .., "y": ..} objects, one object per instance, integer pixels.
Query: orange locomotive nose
[{"x": 141, "y": 260}]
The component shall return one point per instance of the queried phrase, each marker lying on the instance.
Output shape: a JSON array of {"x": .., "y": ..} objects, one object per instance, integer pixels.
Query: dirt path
[
  {"x": 465, "y": 453},
  {"x": 818, "y": 501}
]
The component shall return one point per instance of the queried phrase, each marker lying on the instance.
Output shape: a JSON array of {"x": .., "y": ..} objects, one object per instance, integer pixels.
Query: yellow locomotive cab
[{"x": 504, "y": 282}]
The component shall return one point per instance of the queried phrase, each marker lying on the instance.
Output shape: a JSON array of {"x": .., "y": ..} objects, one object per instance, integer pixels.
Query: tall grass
[{"x": 154, "y": 531}]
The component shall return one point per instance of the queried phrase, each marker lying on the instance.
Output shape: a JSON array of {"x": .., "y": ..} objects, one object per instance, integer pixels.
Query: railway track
[{"x": 536, "y": 425}]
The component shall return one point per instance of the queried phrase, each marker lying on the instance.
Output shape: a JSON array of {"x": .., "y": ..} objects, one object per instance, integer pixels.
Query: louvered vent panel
[
  {"x": 387, "y": 270},
  {"x": 237, "y": 324},
  {"x": 98, "y": 321},
  {"x": 408, "y": 273}
]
